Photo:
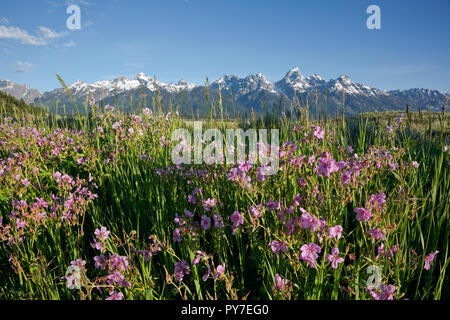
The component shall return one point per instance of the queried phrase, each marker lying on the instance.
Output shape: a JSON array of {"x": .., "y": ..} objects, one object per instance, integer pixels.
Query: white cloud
[
  {"x": 68, "y": 44},
  {"x": 23, "y": 66},
  {"x": 19, "y": 34},
  {"x": 41, "y": 39},
  {"x": 47, "y": 33},
  {"x": 79, "y": 2},
  {"x": 54, "y": 5},
  {"x": 88, "y": 24},
  {"x": 3, "y": 20},
  {"x": 66, "y": 3}
]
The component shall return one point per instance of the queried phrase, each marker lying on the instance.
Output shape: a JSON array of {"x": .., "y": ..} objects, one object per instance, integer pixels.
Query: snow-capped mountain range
[
  {"x": 19, "y": 91},
  {"x": 106, "y": 88},
  {"x": 239, "y": 94}
]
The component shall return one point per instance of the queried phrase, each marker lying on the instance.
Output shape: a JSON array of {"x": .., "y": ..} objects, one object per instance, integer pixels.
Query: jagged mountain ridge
[
  {"x": 19, "y": 91},
  {"x": 252, "y": 92}
]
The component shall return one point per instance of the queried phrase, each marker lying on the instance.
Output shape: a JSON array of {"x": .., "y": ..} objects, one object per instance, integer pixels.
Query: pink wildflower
[
  {"x": 177, "y": 235},
  {"x": 219, "y": 270},
  {"x": 335, "y": 232},
  {"x": 363, "y": 214},
  {"x": 209, "y": 204},
  {"x": 387, "y": 292},
  {"x": 278, "y": 246},
  {"x": 334, "y": 258},
  {"x": 206, "y": 222},
  {"x": 309, "y": 221},
  {"x": 115, "y": 296},
  {"x": 377, "y": 234},
  {"x": 102, "y": 233},
  {"x": 281, "y": 285},
  {"x": 318, "y": 132},
  {"x": 309, "y": 253},
  {"x": 236, "y": 219},
  {"x": 181, "y": 269},
  {"x": 428, "y": 259}
]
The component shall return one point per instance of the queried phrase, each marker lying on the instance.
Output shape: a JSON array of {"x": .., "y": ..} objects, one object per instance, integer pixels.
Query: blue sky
[{"x": 192, "y": 39}]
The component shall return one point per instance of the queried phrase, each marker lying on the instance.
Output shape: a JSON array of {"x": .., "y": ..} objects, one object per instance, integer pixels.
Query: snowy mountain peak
[
  {"x": 294, "y": 70},
  {"x": 77, "y": 83},
  {"x": 242, "y": 87},
  {"x": 259, "y": 77},
  {"x": 248, "y": 91},
  {"x": 180, "y": 85},
  {"x": 78, "y": 86},
  {"x": 143, "y": 78},
  {"x": 316, "y": 77},
  {"x": 6, "y": 82},
  {"x": 293, "y": 81},
  {"x": 19, "y": 91},
  {"x": 344, "y": 83},
  {"x": 294, "y": 73},
  {"x": 228, "y": 77},
  {"x": 344, "y": 78},
  {"x": 226, "y": 81}
]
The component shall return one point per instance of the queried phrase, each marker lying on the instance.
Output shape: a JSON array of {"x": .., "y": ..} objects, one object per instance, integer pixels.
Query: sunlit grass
[{"x": 124, "y": 180}]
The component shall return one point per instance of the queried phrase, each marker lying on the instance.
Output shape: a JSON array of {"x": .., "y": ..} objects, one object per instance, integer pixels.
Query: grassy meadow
[{"x": 92, "y": 207}]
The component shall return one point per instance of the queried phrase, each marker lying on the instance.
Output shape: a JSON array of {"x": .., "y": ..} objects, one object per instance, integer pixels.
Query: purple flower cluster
[
  {"x": 309, "y": 253},
  {"x": 181, "y": 269},
  {"x": 326, "y": 165}
]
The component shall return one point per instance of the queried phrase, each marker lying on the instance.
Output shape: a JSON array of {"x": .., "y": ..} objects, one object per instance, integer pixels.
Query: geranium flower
[
  {"x": 177, "y": 235},
  {"x": 309, "y": 221},
  {"x": 219, "y": 270},
  {"x": 207, "y": 274},
  {"x": 281, "y": 285},
  {"x": 428, "y": 259},
  {"x": 102, "y": 233},
  {"x": 236, "y": 219},
  {"x": 335, "y": 232},
  {"x": 377, "y": 234},
  {"x": 309, "y": 253},
  {"x": 209, "y": 204},
  {"x": 272, "y": 205},
  {"x": 218, "y": 221},
  {"x": 278, "y": 246},
  {"x": 181, "y": 269},
  {"x": 115, "y": 296},
  {"x": 206, "y": 222},
  {"x": 318, "y": 132},
  {"x": 334, "y": 258},
  {"x": 387, "y": 292},
  {"x": 363, "y": 214}
]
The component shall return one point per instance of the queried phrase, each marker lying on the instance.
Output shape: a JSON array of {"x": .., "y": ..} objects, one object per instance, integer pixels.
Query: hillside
[
  {"x": 10, "y": 106},
  {"x": 19, "y": 91}
]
